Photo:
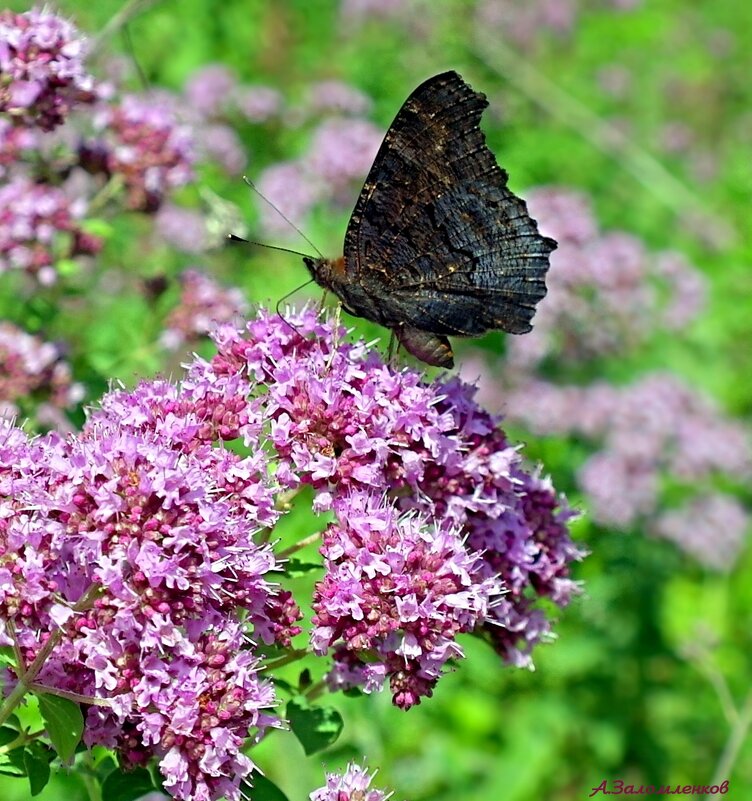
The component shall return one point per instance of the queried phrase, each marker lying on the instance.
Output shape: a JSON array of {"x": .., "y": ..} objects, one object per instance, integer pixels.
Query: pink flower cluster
[
  {"x": 342, "y": 148},
  {"x": 130, "y": 552},
  {"x": 606, "y": 292},
  {"x": 348, "y": 425},
  {"x": 42, "y": 74},
  {"x": 141, "y": 141},
  {"x": 133, "y": 543},
  {"x": 655, "y": 427},
  {"x": 525, "y": 25},
  {"x": 203, "y": 304},
  {"x": 400, "y": 588},
  {"x": 341, "y": 152},
  {"x": 39, "y": 225},
  {"x": 352, "y": 785},
  {"x": 528, "y": 25},
  {"x": 33, "y": 369}
]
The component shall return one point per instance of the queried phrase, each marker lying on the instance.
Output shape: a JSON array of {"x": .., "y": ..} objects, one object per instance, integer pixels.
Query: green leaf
[
  {"x": 296, "y": 567},
  {"x": 7, "y": 656},
  {"x": 7, "y": 735},
  {"x": 284, "y": 685},
  {"x": 64, "y": 723},
  {"x": 37, "y": 758},
  {"x": 316, "y": 727},
  {"x": 12, "y": 763},
  {"x": 126, "y": 785},
  {"x": 102, "y": 761},
  {"x": 262, "y": 789},
  {"x": 304, "y": 680},
  {"x": 67, "y": 267},
  {"x": 97, "y": 227}
]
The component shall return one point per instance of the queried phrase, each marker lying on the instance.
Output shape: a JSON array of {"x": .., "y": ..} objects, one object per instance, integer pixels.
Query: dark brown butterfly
[{"x": 437, "y": 244}]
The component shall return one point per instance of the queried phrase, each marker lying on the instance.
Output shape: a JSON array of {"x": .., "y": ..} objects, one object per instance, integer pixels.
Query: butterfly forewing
[
  {"x": 436, "y": 236},
  {"x": 437, "y": 244}
]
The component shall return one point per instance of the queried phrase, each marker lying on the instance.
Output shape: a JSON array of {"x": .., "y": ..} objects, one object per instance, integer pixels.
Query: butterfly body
[{"x": 437, "y": 244}]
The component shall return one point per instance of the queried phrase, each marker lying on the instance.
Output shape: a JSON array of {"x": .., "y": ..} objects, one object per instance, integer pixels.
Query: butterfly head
[{"x": 328, "y": 273}]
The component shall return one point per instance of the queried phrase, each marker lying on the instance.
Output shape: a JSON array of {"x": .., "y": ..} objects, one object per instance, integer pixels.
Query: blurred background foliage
[{"x": 644, "y": 109}]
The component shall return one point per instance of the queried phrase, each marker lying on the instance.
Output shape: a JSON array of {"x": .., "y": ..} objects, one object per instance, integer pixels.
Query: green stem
[
  {"x": 129, "y": 10},
  {"x": 21, "y": 740},
  {"x": 108, "y": 191},
  {"x": 283, "y": 501},
  {"x": 299, "y": 545},
  {"x": 26, "y": 676},
  {"x": 316, "y": 690},
  {"x": 11, "y": 627},
  {"x": 736, "y": 739},
  {"x": 91, "y": 782},
  {"x": 293, "y": 656},
  {"x": 718, "y": 683},
  {"x": 75, "y": 697}
]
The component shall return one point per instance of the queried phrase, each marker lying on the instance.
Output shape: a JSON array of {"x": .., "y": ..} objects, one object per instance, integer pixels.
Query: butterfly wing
[{"x": 436, "y": 239}]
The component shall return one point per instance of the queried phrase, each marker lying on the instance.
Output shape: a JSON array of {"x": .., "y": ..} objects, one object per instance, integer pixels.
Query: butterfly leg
[
  {"x": 335, "y": 335},
  {"x": 392, "y": 349}
]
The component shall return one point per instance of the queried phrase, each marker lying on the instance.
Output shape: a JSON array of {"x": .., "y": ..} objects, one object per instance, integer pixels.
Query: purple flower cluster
[
  {"x": 133, "y": 544},
  {"x": 605, "y": 291},
  {"x": 143, "y": 143},
  {"x": 352, "y": 785},
  {"x": 213, "y": 94},
  {"x": 292, "y": 191},
  {"x": 712, "y": 528},
  {"x": 361, "y": 10},
  {"x": 199, "y": 706},
  {"x": 655, "y": 427},
  {"x": 211, "y": 100},
  {"x": 38, "y": 226},
  {"x": 526, "y": 25},
  {"x": 33, "y": 369},
  {"x": 14, "y": 141},
  {"x": 347, "y": 424},
  {"x": 209, "y": 90},
  {"x": 203, "y": 304},
  {"x": 341, "y": 149},
  {"x": 183, "y": 228},
  {"x": 336, "y": 97},
  {"x": 219, "y": 143},
  {"x": 522, "y": 25},
  {"x": 341, "y": 152},
  {"x": 42, "y": 74},
  {"x": 129, "y": 556},
  {"x": 258, "y": 104},
  {"x": 400, "y": 589}
]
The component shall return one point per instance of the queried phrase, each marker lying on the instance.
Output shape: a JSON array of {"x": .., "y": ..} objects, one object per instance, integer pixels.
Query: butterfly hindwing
[{"x": 485, "y": 267}]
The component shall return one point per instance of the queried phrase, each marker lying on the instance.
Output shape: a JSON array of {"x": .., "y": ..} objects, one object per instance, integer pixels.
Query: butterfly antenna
[
  {"x": 283, "y": 299},
  {"x": 266, "y": 200},
  {"x": 235, "y": 238}
]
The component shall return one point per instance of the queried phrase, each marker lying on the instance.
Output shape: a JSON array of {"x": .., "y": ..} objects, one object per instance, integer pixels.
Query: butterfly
[{"x": 437, "y": 244}]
